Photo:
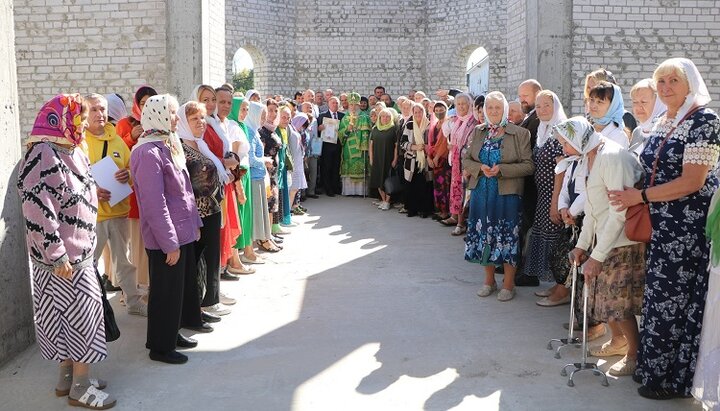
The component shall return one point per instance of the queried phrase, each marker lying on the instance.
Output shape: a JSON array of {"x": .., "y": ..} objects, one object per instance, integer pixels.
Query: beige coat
[{"x": 515, "y": 160}]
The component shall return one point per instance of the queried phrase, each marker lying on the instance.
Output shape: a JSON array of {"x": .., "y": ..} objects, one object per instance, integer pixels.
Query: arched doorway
[
  {"x": 477, "y": 72},
  {"x": 243, "y": 71}
]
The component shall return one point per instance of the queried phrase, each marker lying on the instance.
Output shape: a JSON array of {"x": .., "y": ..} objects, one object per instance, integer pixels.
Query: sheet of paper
[
  {"x": 104, "y": 174},
  {"x": 329, "y": 134}
]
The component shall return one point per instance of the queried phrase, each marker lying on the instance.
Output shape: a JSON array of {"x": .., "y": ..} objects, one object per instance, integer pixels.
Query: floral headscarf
[
  {"x": 157, "y": 123},
  {"x": 59, "y": 121},
  {"x": 581, "y": 135}
]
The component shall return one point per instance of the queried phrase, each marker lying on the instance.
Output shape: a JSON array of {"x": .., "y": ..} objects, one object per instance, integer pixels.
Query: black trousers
[
  {"x": 173, "y": 299},
  {"x": 210, "y": 241},
  {"x": 331, "y": 168},
  {"x": 419, "y": 195}
]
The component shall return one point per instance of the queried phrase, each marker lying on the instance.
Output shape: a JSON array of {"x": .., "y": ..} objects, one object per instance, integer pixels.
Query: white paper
[
  {"x": 329, "y": 133},
  {"x": 104, "y": 174}
]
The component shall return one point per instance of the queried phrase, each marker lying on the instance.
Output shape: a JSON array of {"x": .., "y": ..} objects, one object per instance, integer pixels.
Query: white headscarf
[
  {"x": 545, "y": 131},
  {"x": 212, "y": 119},
  {"x": 699, "y": 94},
  {"x": 185, "y": 133},
  {"x": 116, "y": 107},
  {"x": 419, "y": 134},
  {"x": 581, "y": 135},
  {"x": 254, "y": 115},
  {"x": 251, "y": 93},
  {"x": 157, "y": 124}
]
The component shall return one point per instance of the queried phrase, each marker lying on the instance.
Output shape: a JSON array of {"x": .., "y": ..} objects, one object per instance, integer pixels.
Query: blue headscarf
[{"x": 615, "y": 111}]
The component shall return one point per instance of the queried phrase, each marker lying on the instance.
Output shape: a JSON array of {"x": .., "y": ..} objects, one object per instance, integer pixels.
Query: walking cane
[
  {"x": 584, "y": 365},
  {"x": 571, "y": 339}
]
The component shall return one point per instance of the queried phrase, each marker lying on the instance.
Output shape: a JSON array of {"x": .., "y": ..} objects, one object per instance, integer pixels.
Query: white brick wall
[
  {"x": 87, "y": 46},
  {"x": 632, "y": 38},
  {"x": 216, "y": 31}
]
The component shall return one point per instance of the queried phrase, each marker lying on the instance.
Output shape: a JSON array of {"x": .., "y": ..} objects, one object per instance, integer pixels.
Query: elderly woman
[
  {"x": 459, "y": 137},
  {"x": 547, "y": 234},
  {"x": 678, "y": 159},
  {"x": 353, "y": 133},
  {"x": 606, "y": 110},
  {"x": 53, "y": 176},
  {"x": 415, "y": 164},
  {"x": 614, "y": 267},
  {"x": 647, "y": 108},
  {"x": 498, "y": 159},
  {"x": 285, "y": 165},
  {"x": 383, "y": 154},
  {"x": 170, "y": 226},
  {"x": 272, "y": 145}
]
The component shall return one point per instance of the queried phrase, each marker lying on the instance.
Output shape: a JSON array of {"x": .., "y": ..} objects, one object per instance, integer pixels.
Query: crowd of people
[{"x": 532, "y": 192}]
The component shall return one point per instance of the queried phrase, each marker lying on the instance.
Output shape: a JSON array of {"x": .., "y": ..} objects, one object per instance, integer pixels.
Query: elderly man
[
  {"x": 320, "y": 102},
  {"x": 327, "y": 94},
  {"x": 313, "y": 150},
  {"x": 344, "y": 105},
  {"x": 527, "y": 90},
  {"x": 309, "y": 97},
  {"x": 112, "y": 223}
]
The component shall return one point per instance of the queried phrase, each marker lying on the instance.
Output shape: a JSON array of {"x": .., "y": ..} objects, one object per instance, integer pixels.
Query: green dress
[
  {"x": 353, "y": 167},
  {"x": 245, "y": 211}
]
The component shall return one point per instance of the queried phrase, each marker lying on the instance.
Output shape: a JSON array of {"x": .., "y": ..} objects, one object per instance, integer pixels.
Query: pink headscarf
[{"x": 59, "y": 121}]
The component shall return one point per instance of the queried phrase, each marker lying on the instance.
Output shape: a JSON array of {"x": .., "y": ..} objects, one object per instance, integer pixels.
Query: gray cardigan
[{"x": 515, "y": 160}]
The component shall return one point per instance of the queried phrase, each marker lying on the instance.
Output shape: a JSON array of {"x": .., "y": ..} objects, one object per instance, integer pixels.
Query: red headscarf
[{"x": 141, "y": 92}]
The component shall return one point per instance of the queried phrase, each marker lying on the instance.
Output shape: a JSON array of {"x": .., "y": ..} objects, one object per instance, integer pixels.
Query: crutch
[
  {"x": 571, "y": 339},
  {"x": 584, "y": 365}
]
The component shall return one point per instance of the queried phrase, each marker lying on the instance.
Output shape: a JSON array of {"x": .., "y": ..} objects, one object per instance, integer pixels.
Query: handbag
[
  {"x": 638, "y": 226},
  {"x": 392, "y": 183},
  {"x": 112, "y": 332}
]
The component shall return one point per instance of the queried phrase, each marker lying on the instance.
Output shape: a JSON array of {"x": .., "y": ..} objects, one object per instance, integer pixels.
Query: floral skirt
[{"x": 617, "y": 292}]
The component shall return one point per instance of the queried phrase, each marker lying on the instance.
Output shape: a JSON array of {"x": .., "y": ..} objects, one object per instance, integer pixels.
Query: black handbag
[
  {"x": 112, "y": 332},
  {"x": 393, "y": 184}
]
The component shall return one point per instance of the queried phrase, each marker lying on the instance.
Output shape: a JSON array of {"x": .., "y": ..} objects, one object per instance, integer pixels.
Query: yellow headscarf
[{"x": 382, "y": 127}]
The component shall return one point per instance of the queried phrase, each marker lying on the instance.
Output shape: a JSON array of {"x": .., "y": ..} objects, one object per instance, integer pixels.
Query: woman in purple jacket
[{"x": 170, "y": 226}]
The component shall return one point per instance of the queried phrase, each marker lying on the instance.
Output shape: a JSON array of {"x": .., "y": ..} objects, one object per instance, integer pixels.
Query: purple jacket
[{"x": 168, "y": 215}]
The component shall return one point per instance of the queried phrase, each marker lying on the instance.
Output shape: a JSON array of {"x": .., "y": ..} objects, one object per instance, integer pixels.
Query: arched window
[
  {"x": 243, "y": 70},
  {"x": 478, "y": 71}
]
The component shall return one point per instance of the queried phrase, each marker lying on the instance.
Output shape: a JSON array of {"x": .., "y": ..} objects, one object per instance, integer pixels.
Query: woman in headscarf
[
  {"x": 415, "y": 165},
  {"x": 495, "y": 164},
  {"x": 706, "y": 385},
  {"x": 53, "y": 176},
  {"x": 459, "y": 137},
  {"x": 130, "y": 129},
  {"x": 382, "y": 152},
  {"x": 606, "y": 110},
  {"x": 285, "y": 165},
  {"x": 591, "y": 80},
  {"x": 543, "y": 260},
  {"x": 244, "y": 148},
  {"x": 437, "y": 153},
  {"x": 647, "y": 108},
  {"x": 679, "y": 159},
  {"x": 353, "y": 134},
  {"x": 272, "y": 146},
  {"x": 613, "y": 266},
  {"x": 205, "y": 170},
  {"x": 260, "y": 171},
  {"x": 170, "y": 226},
  {"x": 299, "y": 124}
]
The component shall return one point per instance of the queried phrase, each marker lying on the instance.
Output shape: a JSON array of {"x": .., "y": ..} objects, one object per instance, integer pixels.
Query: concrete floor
[{"x": 363, "y": 310}]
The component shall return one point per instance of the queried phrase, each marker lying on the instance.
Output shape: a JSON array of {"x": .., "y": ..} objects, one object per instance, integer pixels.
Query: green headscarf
[
  {"x": 235, "y": 110},
  {"x": 389, "y": 125},
  {"x": 712, "y": 229}
]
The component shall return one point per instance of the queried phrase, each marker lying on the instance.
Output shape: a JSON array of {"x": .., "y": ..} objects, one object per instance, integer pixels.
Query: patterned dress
[
  {"x": 546, "y": 236},
  {"x": 678, "y": 254},
  {"x": 59, "y": 203},
  {"x": 460, "y": 138},
  {"x": 494, "y": 220},
  {"x": 272, "y": 144},
  {"x": 354, "y": 167}
]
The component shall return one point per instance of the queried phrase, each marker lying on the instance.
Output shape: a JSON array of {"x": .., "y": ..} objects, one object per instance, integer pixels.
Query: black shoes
[
  {"x": 185, "y": 342},
  {"x": 170, "y": 357},
  {"x": 210, "y": 318},
  {"x": 659, "y": 394},
  {"x": 525, "y": 281},
  {"x": 331, "y": 195},
  {"x": 225, "y": 275},
  {"x": 204, "y": 328}
]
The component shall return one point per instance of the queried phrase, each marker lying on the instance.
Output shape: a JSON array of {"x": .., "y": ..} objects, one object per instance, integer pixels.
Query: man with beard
[{"x": 527, "y": 91}]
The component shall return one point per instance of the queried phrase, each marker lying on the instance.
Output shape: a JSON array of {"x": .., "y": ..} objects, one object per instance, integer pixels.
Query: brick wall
[
  {"x": 631, "y": 38},
  {"x": 98, "y": 46},
  {"x": 216, "y": 42},
  {"x": 516, "y": 46}
]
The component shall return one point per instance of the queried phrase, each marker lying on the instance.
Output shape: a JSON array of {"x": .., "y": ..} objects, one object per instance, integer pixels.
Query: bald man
[{"x": 527, "y": 91}]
